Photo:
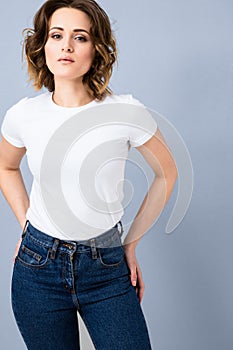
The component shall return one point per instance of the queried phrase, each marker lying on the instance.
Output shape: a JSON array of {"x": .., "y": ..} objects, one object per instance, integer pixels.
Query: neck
[{"x": 71, "y": 94}]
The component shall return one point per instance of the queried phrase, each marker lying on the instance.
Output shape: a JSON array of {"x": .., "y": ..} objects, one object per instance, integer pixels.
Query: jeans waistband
[{"x": 103, "y": 240}]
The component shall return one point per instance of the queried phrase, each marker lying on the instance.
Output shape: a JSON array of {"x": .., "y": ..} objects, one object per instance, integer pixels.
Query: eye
[
  {"x": 80, "y": 38},
  {"x": 56, "y": 36}
]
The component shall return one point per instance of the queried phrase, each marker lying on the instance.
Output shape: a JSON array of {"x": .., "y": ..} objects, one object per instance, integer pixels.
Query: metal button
[{"x": 67, "y": 245}]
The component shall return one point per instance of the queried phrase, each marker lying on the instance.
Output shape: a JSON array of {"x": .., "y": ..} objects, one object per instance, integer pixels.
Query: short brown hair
[{"x": 97, "y": 78}]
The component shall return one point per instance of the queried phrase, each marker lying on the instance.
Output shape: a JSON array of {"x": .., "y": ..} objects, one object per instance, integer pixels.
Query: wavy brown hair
[{"x": 97, "y": 78}]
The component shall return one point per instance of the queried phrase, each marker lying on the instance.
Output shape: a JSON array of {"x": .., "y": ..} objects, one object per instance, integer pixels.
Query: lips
[{"x": 66, "y": 60}]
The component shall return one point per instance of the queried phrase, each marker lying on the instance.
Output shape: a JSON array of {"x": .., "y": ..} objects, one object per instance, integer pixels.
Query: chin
[
  {"x": 70, "y": 75},
  {"x": 67, "y": 77}
]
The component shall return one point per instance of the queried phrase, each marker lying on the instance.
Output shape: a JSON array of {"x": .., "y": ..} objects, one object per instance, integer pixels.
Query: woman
[{"x": 71, "y": 52}]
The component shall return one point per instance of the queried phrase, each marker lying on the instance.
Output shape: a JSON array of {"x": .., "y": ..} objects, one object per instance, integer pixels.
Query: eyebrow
[{"x": 75, "y": 30}]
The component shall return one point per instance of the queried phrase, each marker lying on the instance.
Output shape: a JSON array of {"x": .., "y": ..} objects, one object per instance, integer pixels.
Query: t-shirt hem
[
  {"x": 143, "y": 139},
  {"x": 12, "y": 141}
]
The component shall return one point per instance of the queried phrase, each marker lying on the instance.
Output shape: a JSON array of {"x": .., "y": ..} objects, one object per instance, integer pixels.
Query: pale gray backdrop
[{"x": 176, "y": 57}]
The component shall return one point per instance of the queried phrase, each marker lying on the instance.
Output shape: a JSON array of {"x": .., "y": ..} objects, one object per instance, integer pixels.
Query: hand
[
  {"x": 135, "y": 273},
  {"x": 17, "y": 249}
]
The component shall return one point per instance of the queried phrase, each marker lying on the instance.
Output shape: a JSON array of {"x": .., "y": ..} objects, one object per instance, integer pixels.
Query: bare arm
[
  {"x": 156, "y": 152},
  {"x": 11, "y": 181}
]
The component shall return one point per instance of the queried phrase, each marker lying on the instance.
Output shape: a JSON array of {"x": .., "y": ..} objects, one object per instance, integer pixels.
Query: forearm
[
  {"x": 14, "y": 191},
  {"x": 152, "y": 205}
]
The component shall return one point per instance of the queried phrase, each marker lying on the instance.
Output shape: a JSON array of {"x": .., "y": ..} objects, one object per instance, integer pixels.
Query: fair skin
[{"x": 69, "y": 55}]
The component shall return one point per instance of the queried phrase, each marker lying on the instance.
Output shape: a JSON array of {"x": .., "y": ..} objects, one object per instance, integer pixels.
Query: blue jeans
[{"x": 53, "y": 279}]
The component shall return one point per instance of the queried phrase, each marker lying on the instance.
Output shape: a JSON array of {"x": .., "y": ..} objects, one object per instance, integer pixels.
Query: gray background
[{"x": 176, "y": 57}]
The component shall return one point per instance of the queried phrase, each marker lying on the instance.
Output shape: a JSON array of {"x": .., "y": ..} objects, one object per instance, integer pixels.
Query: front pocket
[
  {"x": 33, "y": 254},
  {"x": 111, "y": 257}
]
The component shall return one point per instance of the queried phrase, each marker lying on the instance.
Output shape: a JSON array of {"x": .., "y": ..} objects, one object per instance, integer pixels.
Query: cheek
[
  {"x": 51, "y": 53},
  {"x": 47, "y": 51},
  {"x": 89, "y": 57}
]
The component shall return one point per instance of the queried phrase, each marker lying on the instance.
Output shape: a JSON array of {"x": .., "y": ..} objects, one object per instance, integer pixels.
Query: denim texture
[{"x": 53, "y": 280}]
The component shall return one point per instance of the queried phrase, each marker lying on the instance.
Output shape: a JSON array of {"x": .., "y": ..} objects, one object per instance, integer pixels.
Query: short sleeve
[
  {"x": 147, "y": 126},
  {"x": 12, "y": 124}
]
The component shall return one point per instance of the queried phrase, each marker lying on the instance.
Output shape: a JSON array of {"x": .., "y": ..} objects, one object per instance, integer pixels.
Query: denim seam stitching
[
  {"x": 42, "y": 244},
  {"x": 46, "y": 262},
  {"x": 110, "y": 265}
]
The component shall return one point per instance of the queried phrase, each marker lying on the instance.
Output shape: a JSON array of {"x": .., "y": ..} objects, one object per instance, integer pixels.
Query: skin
[
  {"x": 69, "y": 54},
  {"x": 70, "y": 92}
]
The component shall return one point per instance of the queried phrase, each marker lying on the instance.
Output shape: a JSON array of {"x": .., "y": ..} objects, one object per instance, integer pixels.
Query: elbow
[
  {"x": 169, "y": 173},
  {"x": 4, "y": 169},
  {"x": 174, "y": 172},
  {"x": 167, "y": 180},
  {"x": 170, "y": 179}
]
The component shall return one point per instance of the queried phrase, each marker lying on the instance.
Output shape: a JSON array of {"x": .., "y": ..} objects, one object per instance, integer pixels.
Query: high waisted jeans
[{"x": 53, "y": 279}]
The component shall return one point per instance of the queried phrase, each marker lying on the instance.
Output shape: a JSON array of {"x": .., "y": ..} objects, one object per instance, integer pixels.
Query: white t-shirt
[{"x": 77, "y": 188}]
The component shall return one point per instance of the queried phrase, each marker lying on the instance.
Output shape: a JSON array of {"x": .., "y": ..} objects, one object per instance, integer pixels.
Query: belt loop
[
  {"x": 54, "y": 249},
  {"x": 25, "y": 229},
  {"x": 121, "y": 228},
  {"x": 93, "y": 249}
]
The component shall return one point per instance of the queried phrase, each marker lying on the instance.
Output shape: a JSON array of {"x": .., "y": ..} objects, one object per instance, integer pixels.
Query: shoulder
[
  {"x": 18, "y": 105},
  {"x": 25, "y": 102},
  {"x": 122, "y": 98}
]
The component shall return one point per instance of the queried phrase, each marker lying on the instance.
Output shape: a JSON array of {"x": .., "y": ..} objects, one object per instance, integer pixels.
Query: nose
[{"x": 67, "y": 46}]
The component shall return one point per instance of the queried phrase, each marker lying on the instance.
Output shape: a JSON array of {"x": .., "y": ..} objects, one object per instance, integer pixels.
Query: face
[{"x": 69, "y": 51}]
